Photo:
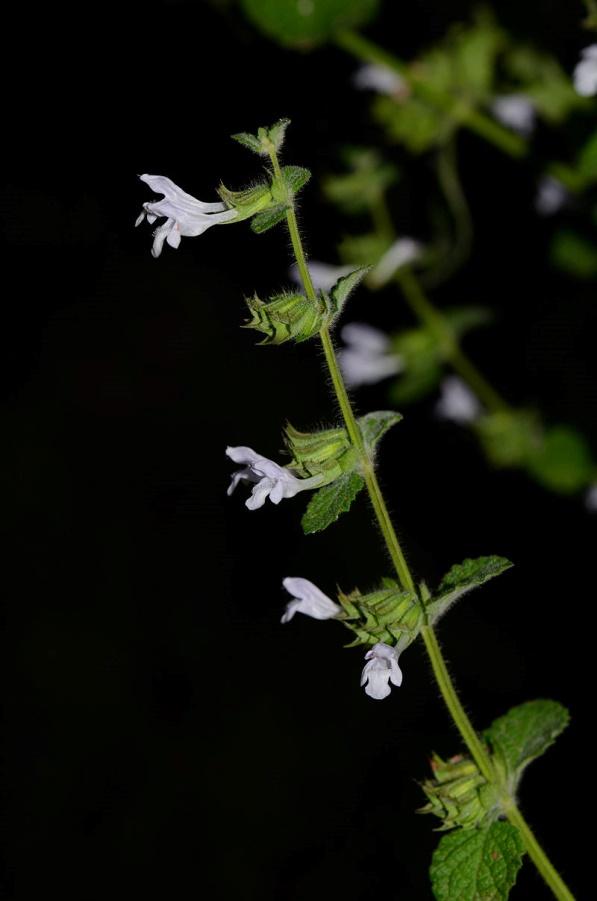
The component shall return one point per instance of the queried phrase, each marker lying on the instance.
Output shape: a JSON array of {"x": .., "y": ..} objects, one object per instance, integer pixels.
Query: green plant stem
[
  {"x": 367, "y": 51},
  {"x": 440, "y": 669},
  {"x": 431, "y": 317}
]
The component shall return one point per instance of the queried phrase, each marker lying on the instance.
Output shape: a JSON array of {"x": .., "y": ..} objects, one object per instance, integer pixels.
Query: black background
[{"x": 163, "y": 734}]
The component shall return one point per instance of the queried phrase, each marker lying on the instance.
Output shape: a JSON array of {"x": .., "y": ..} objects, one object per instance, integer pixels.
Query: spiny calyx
[
  {"x": 459, "y": 795},
  {"x": 292, "y": 315},
  {"x": 389, "y": 615}
]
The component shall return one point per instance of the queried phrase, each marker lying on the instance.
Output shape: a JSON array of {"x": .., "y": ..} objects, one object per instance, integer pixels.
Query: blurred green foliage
[{"x": 305, "y": 23}]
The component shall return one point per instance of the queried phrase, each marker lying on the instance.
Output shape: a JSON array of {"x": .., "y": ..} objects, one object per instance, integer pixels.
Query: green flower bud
[
  {"x": 389, "y": 615},
  {"x": 459, "y": 795}
]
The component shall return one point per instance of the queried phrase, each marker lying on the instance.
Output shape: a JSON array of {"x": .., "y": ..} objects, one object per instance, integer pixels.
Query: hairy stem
[{"x": 440, "y": 669}]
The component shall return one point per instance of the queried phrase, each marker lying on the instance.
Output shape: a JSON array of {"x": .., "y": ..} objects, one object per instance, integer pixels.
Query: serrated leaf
[
  {"x": 524, "y": 733},
  {"x": 305, "y": 24},
  {"x": 262, "y": 222},
  {"x": 277, "y": 131},
  {"x": 374, "y": 426},
  {"x": 345, "y": 286},
  {"x": 330, "y": 502},
  {"x": 462, "y": 578},
  {"x": 477, "y": 864},
  {"x": 248, "y": 140},
  {"x": 295, "y": 177}
]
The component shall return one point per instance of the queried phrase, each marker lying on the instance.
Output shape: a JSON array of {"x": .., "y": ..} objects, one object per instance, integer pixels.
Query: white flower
[
  {"x": 185, "y": 215},
  {"x": 591, "y": 499},
  {"x": 402, "y": 252},
  {"x": 367, "y": 359},
  {"x": 457, "y": 402},
  {"x": 372, "y": 77},
  {"x": 323, "y": 275},
  {"x": 308, "y": 599},
  {"x": 381, "y": 669},
  {"x": 585, "y": 73},
  {"x": 515, "y": 111},
  {"x": 269, "y": 479},
  {"x": 551, "y": 196}
]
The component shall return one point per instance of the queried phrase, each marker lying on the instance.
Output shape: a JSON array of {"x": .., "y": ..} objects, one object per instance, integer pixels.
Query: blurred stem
[
  {"x": 453, "y": 192},
  {"x": 367, "y": 51},
  {"x": 448, "y": 691},
  {"x": 436, "y": 322},
  {"x": 453, "y": 353}
]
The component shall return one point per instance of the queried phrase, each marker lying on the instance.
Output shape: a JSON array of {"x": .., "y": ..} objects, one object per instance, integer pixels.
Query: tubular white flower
[
  {"x": 367, "y": 359},
  {"x": 308, "y": 599},
  {"x": 515, "y": 111},
  {"x": 269, "y": 479},
  {"x": 185, "y": 215},
  {"x": 457, "y": 402},
  {"x": 585, "y": 73},
  {"x": 323, "y": 275},
  {"x": 381, "y": 669},
  {"x": 383, "y": 80},
  {"x": 551, "y": 196},
  {"x": 401, "y": 253}
]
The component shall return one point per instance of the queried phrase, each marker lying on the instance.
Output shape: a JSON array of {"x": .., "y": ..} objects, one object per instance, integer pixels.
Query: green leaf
[
  {"x": 368, "y": 178},
  {"x": 587, "y": 160},
  {"x": 296, "y": 177},
  {"x": 421, "y": 356},
  {"x": 374, "y": 426},
  {"x": 345, "y": 286},
  {"x": 304, "y": 23},
  {"x": 524, "y": 733},
  {"x": 248, "y": 140},
  {"x": 574, "y": 254},
  {"x": 461, "y": 579},
  {"x": 563, "y": 463},
  {"x": 329, "y": 502},
  {"x": 277, "y": 132},
  {"x": 477, "y": 864},
  {"x": 262, "y": 222},
  {"x": 510, "y": 437}
]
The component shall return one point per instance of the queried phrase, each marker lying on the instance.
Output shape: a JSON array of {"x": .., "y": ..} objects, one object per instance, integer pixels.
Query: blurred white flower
[
  {"x": 591, "y": 499},
  {"x": 185, "y": 215},
  {"x": 381, "y": 669},
  {"x": 268, "y": 478},
  {"x": 367, "y": 357},
  {"x": 383, "y": 80},
  {"x": 585, "y": 73},
  {"x": 551, "y": 196},
  {"x": 323, "y": 275},
  {"x": 402, "y": 252},
  {"x": 515, "y": 111},
  {"x": 308, "y": 599},
  {"x": 457, "y": 401}
]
